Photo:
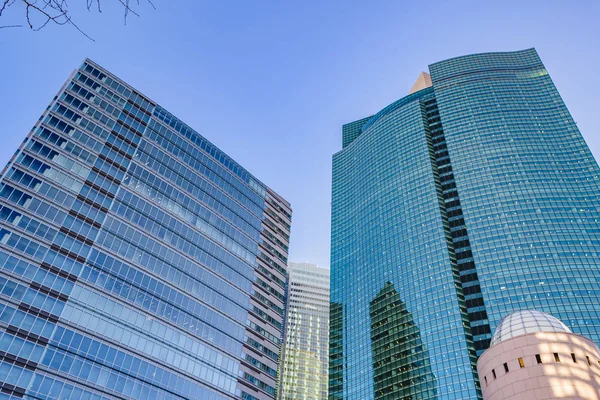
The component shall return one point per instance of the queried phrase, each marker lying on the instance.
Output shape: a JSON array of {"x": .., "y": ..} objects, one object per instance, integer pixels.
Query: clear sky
[{"x": 271, "y": 82}]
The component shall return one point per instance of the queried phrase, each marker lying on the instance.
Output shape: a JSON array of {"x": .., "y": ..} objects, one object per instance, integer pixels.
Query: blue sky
[{"x": 271, "y": 83}]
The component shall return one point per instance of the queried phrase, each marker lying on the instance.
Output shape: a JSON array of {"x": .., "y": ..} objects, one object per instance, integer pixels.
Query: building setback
[
  {"x": 305, "y": 354},
  {"x": 137, "y": 260},
  {"x": 470, "y": 198}
]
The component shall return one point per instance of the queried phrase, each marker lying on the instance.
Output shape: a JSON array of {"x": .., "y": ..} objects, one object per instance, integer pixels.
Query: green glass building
[{"x": 470, "y": 198}]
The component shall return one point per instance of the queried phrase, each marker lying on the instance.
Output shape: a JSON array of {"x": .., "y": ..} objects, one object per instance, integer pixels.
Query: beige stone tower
[{"x": 535, "y": 356}]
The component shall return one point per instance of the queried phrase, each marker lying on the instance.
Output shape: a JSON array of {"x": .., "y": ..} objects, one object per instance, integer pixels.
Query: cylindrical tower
[{"x": 535, "y": 356}]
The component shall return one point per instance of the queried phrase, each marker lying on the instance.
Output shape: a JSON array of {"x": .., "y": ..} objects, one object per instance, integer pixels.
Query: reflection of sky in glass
[
  {"x": 387, "y": 227},
  {"x": 272, "y": 58},
  {"x": 129, "y": 254},
  {"x": 513, "y": 160}
]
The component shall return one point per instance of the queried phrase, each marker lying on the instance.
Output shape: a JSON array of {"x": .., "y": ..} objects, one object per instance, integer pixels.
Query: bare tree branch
[
  {"x": 57, "y": 12},
  {"x": 6, "y": 4}
]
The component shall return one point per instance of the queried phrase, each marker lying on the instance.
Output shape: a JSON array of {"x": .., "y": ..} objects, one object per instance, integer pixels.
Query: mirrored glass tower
[
  {"x": 137, "y": 260},
  {"x": 474, "y": 196}
]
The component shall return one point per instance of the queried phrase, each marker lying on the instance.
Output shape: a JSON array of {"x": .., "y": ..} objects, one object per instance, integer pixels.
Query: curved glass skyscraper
[
  {"x": 472, "y": 197},
  {"x": 137, "y": 260}
]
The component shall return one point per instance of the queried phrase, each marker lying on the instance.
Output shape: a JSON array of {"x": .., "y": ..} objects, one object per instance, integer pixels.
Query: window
[
  {"x": 506, "y": 367},
  {"x": 485, "y": 377},
  {"x": 494, "y": 373},
  {"x": 573, "y": 357},
  {"x": 556, "y": 357},
  {"x": 521, "y": 362},
  {"x": 588, "y": 360},
  {"x": 538, "y": 358}
]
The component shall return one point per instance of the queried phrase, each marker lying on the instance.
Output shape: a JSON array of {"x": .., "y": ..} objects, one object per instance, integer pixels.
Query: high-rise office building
[
  {"x": 305, "y": 354},
  {"x": 137, "y": 260},
  {"x": 472, "y": 197}
]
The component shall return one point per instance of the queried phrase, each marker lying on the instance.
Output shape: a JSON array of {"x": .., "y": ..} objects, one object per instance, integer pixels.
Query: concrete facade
[{"x": 541, "y": 365}]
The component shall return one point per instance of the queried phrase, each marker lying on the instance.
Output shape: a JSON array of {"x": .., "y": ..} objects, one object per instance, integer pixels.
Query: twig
[{"x": 57, "y": 11}]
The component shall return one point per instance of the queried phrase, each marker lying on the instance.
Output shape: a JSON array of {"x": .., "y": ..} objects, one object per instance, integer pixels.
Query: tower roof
[
  {"x": 422, "y": 82},
  {"x": 524, "y": 322}
]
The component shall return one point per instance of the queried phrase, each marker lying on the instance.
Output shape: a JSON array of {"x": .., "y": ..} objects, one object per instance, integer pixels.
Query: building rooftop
[
  {"x": 524, "y": 322},
  {"x": 422, "y": 82}
]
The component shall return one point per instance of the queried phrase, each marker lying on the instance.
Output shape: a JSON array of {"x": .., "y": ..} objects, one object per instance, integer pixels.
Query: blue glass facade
[
  {"x": 453, "y": 206},
  {"x": 137, "y": 260}
]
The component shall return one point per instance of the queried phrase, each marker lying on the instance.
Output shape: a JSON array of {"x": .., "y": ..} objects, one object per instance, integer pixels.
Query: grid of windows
[
  {"x": 529, "y": 187},
  {"x": 472, "y": 198},
  {"x": 130, "y": 254},
  {"x": 388, "y": 237},
  {"x": 305, "y": 352}
]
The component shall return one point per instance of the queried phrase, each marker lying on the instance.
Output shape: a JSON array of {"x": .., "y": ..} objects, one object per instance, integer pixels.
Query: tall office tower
[
  {"x": 470, "y": 198},
  {"x": 305, "y": 354},
  {"x": 137, "y": 260}
]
